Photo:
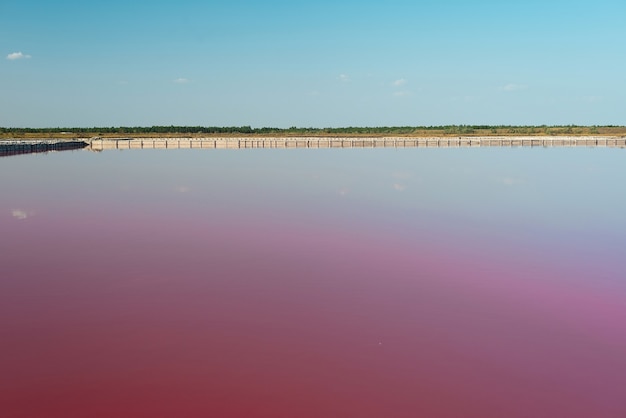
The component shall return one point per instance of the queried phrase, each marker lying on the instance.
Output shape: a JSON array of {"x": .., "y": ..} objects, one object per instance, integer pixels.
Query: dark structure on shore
[{"x": 27, "y": 147}]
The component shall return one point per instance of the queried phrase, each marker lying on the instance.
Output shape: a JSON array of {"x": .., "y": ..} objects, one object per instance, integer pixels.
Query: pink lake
[{"x": 313, "y": 283}]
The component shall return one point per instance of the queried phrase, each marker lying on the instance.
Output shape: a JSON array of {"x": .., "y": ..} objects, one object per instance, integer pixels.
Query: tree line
[{"x": 297, "y": 131}]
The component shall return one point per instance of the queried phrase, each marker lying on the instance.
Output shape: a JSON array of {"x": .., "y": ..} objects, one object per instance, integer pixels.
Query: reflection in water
[
  {"x": 369, "y": 283},
  {"x": 16, "y": 147},
  {"x": 21, "y": 214},
  {"x": 356, "y": 142}
]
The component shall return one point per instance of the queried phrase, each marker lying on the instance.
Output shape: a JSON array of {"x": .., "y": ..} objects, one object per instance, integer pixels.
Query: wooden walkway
[{"x": 319, "y": 142}]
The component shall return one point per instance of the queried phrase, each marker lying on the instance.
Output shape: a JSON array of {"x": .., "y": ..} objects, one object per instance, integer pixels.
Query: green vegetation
[{"x": 409, "y": 131}]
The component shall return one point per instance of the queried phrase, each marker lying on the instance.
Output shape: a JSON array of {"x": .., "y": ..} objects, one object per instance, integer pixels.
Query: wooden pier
[
  {"x": 340, "y": 142},
  {"x": 15, "y": 147}
]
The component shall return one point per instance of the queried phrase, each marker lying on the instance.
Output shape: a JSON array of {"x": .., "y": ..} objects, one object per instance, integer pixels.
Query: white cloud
[
  {"x": 401, "y": 93},
  {"x": 399, "y": 83},
  {"x": 181, "y": 81},
  {"x": 17, "y": 56},
  {"x": 343, "y": 77},
  {"x": 514, "y": 87},
  {"x": 399, "y": 187}
]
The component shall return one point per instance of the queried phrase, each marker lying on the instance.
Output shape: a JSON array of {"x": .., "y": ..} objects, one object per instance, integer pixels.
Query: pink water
[{"x": 306, "y": 284}]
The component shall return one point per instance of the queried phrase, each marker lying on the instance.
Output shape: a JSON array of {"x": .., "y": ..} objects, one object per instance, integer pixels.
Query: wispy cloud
[
  {"x": 399, "y": 187},
  {"x": 181, "y": 80},
  {"x": 466, "y": 99},
  {"x": 514, "y": 87},
  {"x": 344, "y": 77},
  {"x": 17, "y": 56},
  {"x": 398, "y": 92},
  {"x": 593, "y": 99}
]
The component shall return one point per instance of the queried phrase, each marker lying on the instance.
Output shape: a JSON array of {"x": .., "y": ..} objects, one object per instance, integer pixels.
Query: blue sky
[{"x": 320, "y": 64}]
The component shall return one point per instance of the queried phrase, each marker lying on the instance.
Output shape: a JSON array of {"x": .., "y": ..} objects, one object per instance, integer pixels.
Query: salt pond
[{"x": 314, "y": 283}]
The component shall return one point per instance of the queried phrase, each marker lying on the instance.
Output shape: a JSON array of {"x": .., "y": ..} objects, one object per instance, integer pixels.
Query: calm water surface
[{"x": 313, "y": 283}]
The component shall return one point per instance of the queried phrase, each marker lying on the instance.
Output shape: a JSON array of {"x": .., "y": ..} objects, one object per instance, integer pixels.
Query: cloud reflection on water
[{"x": 21, "y": 214}]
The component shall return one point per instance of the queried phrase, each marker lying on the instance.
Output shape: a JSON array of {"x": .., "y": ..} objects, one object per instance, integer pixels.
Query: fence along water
[{"x": 340, "y": 142}]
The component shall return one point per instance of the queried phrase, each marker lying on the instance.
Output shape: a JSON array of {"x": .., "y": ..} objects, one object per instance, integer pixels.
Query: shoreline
[
  {"x": 22, "y": 146},
  {"x": 243, "y": 142}
]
